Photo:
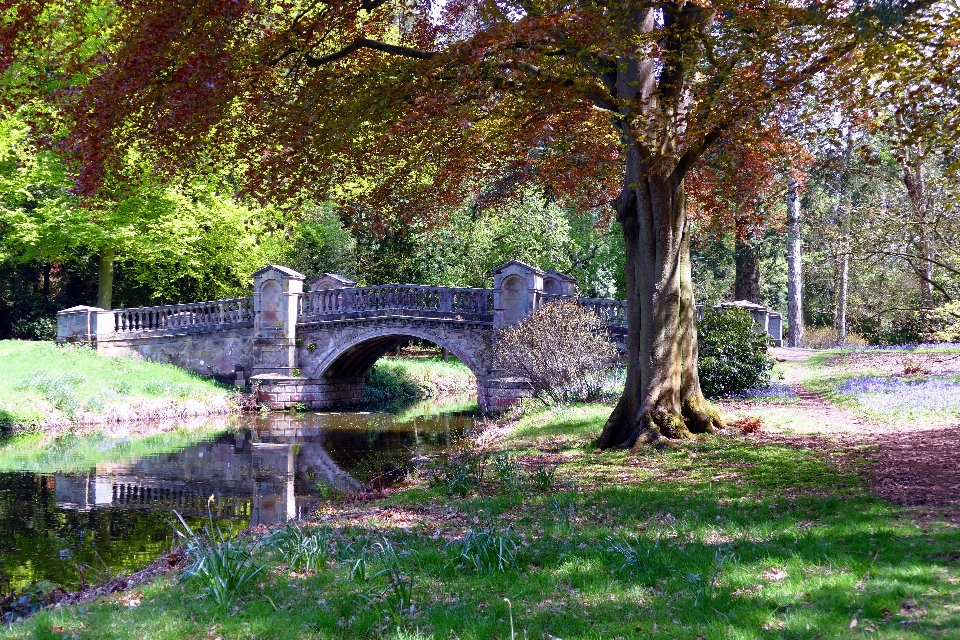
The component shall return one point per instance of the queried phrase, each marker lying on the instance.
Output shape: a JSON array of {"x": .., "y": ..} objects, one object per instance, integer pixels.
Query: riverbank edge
[
  {"x": 53, "y": 389},
  {"x": 566, "y": 436}
]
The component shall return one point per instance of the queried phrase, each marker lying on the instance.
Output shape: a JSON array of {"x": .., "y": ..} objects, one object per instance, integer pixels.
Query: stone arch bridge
[{"x": 315, "y": 347}]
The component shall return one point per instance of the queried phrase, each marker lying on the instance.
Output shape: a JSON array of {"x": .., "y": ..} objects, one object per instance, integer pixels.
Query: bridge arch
[{"x": 350, "y": 357}]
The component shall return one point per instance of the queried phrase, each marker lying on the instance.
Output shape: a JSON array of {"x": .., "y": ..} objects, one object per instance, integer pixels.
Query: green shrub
[
  {"x": 733, "y": 354},
  {"x": 389, "y": 385}
]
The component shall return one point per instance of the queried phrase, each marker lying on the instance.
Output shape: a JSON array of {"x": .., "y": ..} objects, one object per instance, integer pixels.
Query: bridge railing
[
  {"x": 397, "y": 299},
  {"x": 212, "y": 316},
  {"x": 612, "y": 312}
]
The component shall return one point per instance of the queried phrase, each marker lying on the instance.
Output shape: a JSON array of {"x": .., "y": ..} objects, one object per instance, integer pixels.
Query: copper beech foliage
[
  {"x": 401, "y": 109},
  {"x": 405, "y": 108}
]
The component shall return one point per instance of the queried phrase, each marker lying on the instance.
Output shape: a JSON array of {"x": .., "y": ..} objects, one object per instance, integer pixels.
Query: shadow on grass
[{"x": 733, "y": 539}]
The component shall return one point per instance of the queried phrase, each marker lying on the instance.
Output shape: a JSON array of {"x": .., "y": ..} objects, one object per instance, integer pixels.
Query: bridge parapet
[
  {"x": 175, "y": 318},
  {"x": 613, "y": 313},
  {"x": 397, "y": 299}
]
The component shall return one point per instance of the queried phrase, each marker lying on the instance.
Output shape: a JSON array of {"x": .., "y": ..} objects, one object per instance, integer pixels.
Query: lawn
[
  {"x": 44, "y": 385},
  {"x": 732, "y": 537}
]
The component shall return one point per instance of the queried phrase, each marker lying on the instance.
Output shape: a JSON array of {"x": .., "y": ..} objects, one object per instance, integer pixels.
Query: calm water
[{"x": 66, "y": 525}]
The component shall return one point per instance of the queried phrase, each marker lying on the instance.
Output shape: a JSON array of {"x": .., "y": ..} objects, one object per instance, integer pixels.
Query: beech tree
[{"x": 401, "y": 110}]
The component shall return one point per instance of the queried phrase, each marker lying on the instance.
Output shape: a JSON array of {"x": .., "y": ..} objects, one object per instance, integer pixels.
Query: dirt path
[{"x": 915, "y": 465}]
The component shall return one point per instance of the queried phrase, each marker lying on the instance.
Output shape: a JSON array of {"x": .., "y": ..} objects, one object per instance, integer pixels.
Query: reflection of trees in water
[{"x": 41, "y": 541}]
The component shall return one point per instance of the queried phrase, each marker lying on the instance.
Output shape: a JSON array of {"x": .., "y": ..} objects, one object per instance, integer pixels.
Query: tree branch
[{"x": 365, "y": 43}]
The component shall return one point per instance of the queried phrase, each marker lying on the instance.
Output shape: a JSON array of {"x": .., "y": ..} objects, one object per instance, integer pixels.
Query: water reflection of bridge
[{"x": 262, "y": 476}]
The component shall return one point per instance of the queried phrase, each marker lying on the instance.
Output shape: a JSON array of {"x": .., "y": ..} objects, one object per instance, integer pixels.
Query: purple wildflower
[
  {"x": 775, "y": 392},
  {"x": 899, "y": 397}
]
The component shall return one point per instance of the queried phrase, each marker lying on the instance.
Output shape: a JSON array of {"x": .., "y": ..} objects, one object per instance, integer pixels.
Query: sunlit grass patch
[
  {"x": 775, "y": 393},
  {"x": 399, "y": 381},
  {"x": 44, "y": 383}
]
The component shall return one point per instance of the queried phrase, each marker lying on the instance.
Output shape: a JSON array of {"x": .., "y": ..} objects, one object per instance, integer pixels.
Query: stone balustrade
[
  {"x": 397, "y": 299},
  {"x": 206, "y": 316},
  {"x": 613, "y": 313}
]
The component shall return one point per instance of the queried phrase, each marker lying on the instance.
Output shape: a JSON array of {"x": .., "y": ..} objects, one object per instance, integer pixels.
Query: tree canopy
[{"x": 403, "y": 111}]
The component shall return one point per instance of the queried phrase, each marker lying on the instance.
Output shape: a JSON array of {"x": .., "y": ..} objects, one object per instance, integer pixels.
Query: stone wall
[{"x": 219, "y": 354}]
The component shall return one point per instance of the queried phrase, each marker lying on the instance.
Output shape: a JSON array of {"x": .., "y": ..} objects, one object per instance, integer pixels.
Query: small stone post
[
  {"x": 517, "y": 288},
  {"x": 85, "y": 324}
]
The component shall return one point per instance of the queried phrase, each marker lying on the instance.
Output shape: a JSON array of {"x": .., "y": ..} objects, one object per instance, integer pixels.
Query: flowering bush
[
  {"x": 562, "y": 349},
  {"x": 733, "y": 354}
]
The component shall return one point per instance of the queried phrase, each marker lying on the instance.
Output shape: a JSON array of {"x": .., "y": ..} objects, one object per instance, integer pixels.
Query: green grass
[
  {"x": 405, "y": 380},
  {"x": 41, "y": 382},
  {"x": 727, "y": 538}
]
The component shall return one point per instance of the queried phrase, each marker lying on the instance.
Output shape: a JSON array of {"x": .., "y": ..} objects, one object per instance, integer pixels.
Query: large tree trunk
[
  {"x": 662, "y": 398},
  {"x": 794, "y": 267},
  {"x": 105, "y": 279}
]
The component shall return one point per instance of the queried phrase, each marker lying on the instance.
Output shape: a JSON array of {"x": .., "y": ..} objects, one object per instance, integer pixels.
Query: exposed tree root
[
  {"x": 701, "y": 417},
  {"x": 629, "y": 428}
]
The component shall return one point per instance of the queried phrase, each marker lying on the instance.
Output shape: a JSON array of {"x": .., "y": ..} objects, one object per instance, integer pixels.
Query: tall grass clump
[
  {"x": 485, "y": 550},
  {"x": 222, "y": 564},
  {"x": 400, "y": 581},
  {"x": 302, "y": 548}
]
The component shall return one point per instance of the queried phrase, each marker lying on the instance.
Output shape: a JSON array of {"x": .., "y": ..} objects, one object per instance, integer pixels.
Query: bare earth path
[{"x": 915, "y": 465}]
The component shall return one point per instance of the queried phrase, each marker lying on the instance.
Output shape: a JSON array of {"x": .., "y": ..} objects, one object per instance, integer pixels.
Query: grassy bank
[
  {"x": 405, "y": 380},
  {"x": 46, "y": 386},
  {"x": 729, "y": 538}
]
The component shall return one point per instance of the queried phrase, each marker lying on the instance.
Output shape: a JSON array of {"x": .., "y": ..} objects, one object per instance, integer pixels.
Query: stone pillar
[
  {"x": 276, "y": 299},
  {"x": 775, "y": 328},
  {"x": 84, "y": 324},
  {"x": 517, "y": 289}
]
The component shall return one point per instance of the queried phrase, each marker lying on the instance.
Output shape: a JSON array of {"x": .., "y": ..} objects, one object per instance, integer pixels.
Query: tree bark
[
  {"x": 746, "y": 283},
  {"x": 794, "y": 267},
  {"x": 844, "y": 273},
  {"x": 912, "y": 166},
  {"x": 105, "y": 279},
  {"x": 46, "y": 279},
  {"x": 662, "y": 399}
]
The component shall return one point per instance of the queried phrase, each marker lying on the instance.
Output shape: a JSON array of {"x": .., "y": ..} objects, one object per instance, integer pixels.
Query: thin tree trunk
[
  {"x": 746, "y": 282},
  {"x": 844, "y": 275},
  {"x": 662, "y": 399},
  {"x": 46, "y": 280},
  {"x": 794, "y": 267},
  {"x": 912, "y": 166},
  {"x": 105, "y": 279}
]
